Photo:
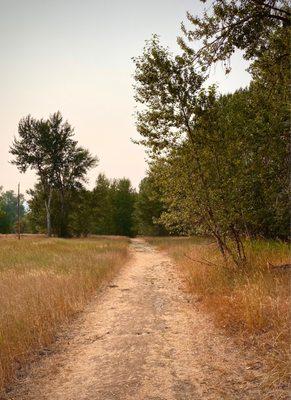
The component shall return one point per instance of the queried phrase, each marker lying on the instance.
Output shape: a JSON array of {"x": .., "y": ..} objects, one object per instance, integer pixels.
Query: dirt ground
[{"x": 142, "y": 339}]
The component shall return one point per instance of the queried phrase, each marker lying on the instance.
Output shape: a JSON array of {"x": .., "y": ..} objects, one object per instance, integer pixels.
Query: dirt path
[{"x": 142, "y": 340}]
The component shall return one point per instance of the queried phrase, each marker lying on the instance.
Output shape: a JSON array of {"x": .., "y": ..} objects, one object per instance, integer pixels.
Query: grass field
[
  {"x": 251, "y": 304},
  {"x": 43, "y": 283}
]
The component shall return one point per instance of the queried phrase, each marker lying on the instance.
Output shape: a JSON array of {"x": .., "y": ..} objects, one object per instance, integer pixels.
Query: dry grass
[
  {"x": 252, "y": 305},
  {"x": 43, "y": 282}
]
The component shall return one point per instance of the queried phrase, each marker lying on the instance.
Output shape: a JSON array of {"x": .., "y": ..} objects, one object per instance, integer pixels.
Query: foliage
[
  {"x": 177, "y": 122},
  {"x": 48, "y": 147},
  {"x": 167, "y": 88},
  {"x": 229, "y": 25},
  {"x": 103, "y": 206},
  {"x": 149, "y": 207},
  {"x": 123, "y": 199},
  {"x": 80, "y": 219},
  {"x": 9, "y": 211},
  {"x": 106, "y": 210},
  {"x": 221, "y": 161}
]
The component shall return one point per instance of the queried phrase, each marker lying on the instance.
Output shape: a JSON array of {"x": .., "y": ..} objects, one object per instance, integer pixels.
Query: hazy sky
[{"x": 75, "y": 56}]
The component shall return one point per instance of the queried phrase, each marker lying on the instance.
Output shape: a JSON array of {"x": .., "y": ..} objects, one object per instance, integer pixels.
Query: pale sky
[{"x": 75, "y": 56}]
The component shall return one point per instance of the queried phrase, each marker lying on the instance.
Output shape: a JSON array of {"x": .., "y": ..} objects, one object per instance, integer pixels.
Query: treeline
[
  {"x": 105, "y": 210},
  {"x": 220, "y": 161},
  {"x": 112, "y": 207},
  {"x": 60, "y": 204}
]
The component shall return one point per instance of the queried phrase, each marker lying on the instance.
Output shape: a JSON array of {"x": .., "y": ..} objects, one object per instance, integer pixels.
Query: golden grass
[
  {"x": 251, "y": 304},
  {"x": 43, "y": 283}
]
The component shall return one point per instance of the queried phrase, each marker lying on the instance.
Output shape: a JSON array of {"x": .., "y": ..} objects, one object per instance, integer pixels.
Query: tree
[
  {"x": 123, "y": 198},
  {"x": 2, "y": 212},
  {"x": 33, "y": 150},
  {"x": 8, "y": 211},
  {"x": 102, "y": 206},
  {"x": 176, "y": 111},
  {"x": 261, "y": 29},
  {"x": 70, "y": 163},
  {"x": 221, "y": 161},
  {"x": 113, "y": 206},
  {"x": 81, "y": 219},
  {"x": 36, "y": 215},
  {"x": 37, "y": 211},
  {"x": 229, "y": 25},
  {"x": 106, "y": 210},
  {"x": 149, "y": 207},
  {"x": 47, "y": 146},
  {"x": 166, "y": 87}
]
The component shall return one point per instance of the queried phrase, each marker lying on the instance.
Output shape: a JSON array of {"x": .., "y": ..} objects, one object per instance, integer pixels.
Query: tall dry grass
[
  {"x": 252, "y": 303},
  {"x": 43, "y": 282}
]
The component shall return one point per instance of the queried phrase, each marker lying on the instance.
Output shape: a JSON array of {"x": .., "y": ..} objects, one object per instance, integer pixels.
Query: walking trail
[{"x": 142, "y": 339}]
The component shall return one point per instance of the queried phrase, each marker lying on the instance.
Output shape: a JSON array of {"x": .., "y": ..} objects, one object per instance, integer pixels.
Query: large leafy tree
[
  {"x": 176, "y": 113},
  {"x": 166, "y": 87},
  {"x": 70, "y": 163},
  {"x": 33, "y": 150},
  {"x": 48, "y": 147},
  {"x": 222, "y": 161}
]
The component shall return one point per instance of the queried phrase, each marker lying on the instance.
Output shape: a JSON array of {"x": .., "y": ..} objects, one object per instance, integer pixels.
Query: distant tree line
[
  {"x": 107, "y": 209},
  {"x": 60, "y": 204},
  {"x": 112, "y": 207}
]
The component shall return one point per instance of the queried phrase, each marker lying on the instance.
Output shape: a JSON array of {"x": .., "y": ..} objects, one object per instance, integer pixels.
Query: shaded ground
[{"x": 142, "y": 339}]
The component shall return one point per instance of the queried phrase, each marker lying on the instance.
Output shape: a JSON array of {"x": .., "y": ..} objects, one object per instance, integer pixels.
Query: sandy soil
[{"x": 142, "y": 339}]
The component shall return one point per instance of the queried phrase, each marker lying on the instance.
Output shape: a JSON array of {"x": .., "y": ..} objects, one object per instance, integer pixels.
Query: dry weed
[
  {"x": 43, "y": 282},
  {"x": 252, "y": 303}
]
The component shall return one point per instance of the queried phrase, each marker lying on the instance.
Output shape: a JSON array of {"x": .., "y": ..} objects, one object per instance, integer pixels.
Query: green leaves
[
  {"x": 149, "y": 207},
  {"x": 48, "y": 147},
  {"x": 220, "y": 162},
  {"x": 8, "y": 211},
  {"x": 166, "y": 88},
  {"x": 230, "y": 25}
]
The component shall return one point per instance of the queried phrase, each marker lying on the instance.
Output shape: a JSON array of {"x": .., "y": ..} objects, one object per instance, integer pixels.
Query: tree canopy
[
  {"x": 230, "y": 25},
  {"x": 221, "y": 161},
  {"x": 48, "y": 147},
  {"x": 107, "y": 209}
]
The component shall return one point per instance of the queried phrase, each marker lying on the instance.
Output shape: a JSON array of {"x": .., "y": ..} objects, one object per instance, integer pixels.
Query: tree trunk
[
  {"x": 48, "y": 223},
  {"x": 48, "y": 214},
  {"x": 63, "y": 227},
  {"x": 241, "y": 256}
]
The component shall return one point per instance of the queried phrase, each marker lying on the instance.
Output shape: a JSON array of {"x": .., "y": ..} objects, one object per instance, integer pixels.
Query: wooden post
[{"x": 18, "y": 212}]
